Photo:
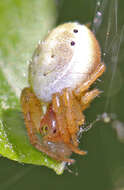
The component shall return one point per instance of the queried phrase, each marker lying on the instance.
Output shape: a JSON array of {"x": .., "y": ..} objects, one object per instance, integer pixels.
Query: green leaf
[{"x": 22, "y": 24}]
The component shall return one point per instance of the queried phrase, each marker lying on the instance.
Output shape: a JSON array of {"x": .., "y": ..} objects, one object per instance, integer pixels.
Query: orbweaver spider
[{"x": 63, "y": 68}]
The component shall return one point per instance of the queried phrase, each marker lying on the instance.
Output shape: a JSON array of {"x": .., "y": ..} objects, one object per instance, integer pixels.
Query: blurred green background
[{"x": 103, "y": 167}]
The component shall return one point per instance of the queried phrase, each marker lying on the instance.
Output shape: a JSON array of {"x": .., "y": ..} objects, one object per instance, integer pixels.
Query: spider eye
[{"x": 44, "y": 129}]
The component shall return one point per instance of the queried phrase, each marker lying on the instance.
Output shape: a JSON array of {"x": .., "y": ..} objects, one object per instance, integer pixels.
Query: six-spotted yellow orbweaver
[{"x": 64, "y": 66}]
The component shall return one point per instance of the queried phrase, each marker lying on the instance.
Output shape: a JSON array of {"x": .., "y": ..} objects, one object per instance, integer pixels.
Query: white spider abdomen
[{"x": 66, "y": 58}]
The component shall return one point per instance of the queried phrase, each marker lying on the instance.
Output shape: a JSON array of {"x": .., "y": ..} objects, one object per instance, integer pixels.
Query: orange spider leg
[
  {"x": 59, "y": 110},
  {"x": 74, "y": 114},
  {"x": 77, "y": 110},
  {"x": 63, "y": 120},
  {"x": 30, "y": 102},
  {"x": 71, "y": 123},
  {"x": 75, "y": 117},
  {"x": 88, "y": 97},
  {"x": 84, "y": 86},
  {"x": 76, "y": 150}
]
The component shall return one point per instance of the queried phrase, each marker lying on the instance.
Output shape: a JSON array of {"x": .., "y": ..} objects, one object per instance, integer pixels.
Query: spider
[{"x": 61, "y": 72}]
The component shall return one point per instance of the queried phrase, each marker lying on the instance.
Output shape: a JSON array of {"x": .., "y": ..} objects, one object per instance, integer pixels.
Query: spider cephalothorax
[{"x": 63, "y": 68}]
